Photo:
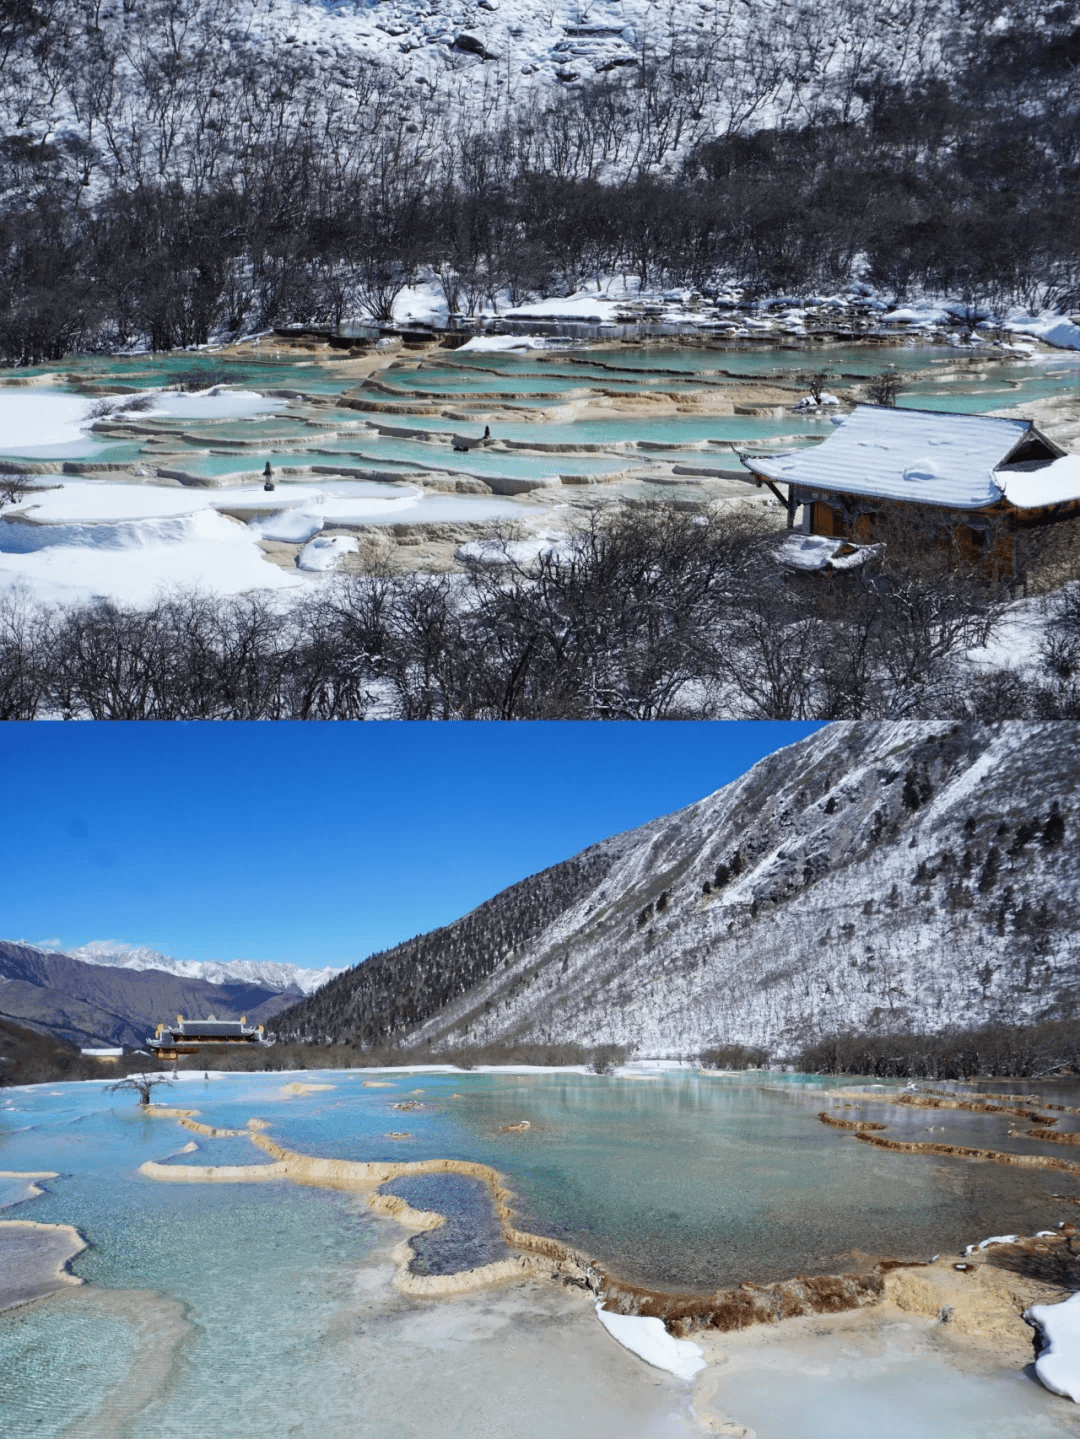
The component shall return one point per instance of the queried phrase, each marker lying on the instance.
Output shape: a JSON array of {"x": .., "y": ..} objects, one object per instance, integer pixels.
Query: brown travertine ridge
[
  {"x": 924, "y": 1101},
  {"x": 960, "y": 1151},
  {"x": 848, "y": 1123},
  {"x": 725, "y": 1310},
  {"x": 1054, "y": 1136},
  {"x": 1006, "y": 1099}
]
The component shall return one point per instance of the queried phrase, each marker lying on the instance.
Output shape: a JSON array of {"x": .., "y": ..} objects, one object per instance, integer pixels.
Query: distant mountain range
[
  {"x": 877, "y": 878},
  {"x": 118, "y": 997},
  {"x": 266, "y": 973}
]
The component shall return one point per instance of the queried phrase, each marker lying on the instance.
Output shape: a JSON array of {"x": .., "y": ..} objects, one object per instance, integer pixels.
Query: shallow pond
[
  {"x": 265, "y": 1309},
  {"x": 679, "y": 1181},
  {"x": 939, "y": 378}
]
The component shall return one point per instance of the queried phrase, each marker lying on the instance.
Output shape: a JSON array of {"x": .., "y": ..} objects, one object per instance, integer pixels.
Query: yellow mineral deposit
[
  {"x": 213, "y": 1173},
  {"x": 210, "y": 1131},
  {"x": 976, "y": 1294},
  {"x": 298, "y": 1088}
]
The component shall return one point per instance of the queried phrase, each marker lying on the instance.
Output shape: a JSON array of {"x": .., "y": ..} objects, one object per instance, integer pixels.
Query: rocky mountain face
[
  {"x": 266, "y": 973},
  {"x": 93, "y": 1004},
  {"x": 878, "y": 877}
]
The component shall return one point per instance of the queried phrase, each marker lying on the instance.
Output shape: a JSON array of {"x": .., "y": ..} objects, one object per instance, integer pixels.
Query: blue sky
[{"x": 318, "y": 844}]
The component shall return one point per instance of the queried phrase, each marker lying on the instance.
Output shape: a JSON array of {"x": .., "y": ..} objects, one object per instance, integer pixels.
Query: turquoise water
[
  {"x": 629, "y": 429},
  {"x": 379, "y": 453},
  {"x": 939, "y": 379},
  {"x": 157, "y": 371},
  {"x": 265, "y": 1309},
  {"x": 680, "y": 1182}
]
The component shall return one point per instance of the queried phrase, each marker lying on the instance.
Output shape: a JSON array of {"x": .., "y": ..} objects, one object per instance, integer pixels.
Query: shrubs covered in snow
[
  {"x": 643, "y": 612},
  {"x": 187, "y": 197}
]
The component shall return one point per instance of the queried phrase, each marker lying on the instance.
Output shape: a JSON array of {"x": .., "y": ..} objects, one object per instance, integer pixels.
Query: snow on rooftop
[
  {"x": 899, "y": 454},
  {"x": 1052, "y": 484}
]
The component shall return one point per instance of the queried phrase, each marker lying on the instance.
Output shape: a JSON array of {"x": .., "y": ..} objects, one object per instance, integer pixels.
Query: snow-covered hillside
[
  {"x": 262, "y": 972},
  {"x": 129, "y": 88},
  {"x": 882, "y": 878}
]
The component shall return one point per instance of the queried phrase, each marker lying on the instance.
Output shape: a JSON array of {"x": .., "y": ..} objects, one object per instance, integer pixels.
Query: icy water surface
[
  {"x": 266, "y": 1308},
  {"x": 893, "y": 1383},
  {"x": 937, "y": 378},
  {"x": 679, "y": 1181}
]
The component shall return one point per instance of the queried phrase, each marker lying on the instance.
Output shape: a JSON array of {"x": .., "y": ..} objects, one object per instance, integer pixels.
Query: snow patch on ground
[
  {"x": 1054, "y": 330},
  {"x": 994, "y": 1239},
  {"x": 212, "y": 404},
  {"x": 325, "y": 552},
  {"x": 132, "y": 561},
  {"x": 511, "y": 552},
  {"x": 35, "y": 419},
  {"x": 32, "y": 419},
  {"x": 493, "y": 344},
  {"x": 649, "y": 1340},
  {"x": 1058, "y": 1366}
]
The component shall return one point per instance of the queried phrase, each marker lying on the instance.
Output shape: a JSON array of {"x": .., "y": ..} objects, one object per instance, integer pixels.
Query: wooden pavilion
[{"x": 994, "y": 486}]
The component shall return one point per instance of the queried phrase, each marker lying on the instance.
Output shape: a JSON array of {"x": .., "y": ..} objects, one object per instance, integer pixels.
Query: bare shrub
[
  {"x": 13, "y": 486},
  {"x": 884, "y": 388},
  {"x": 734, "y": 1056},
  {"x": 606, "y": 1058},
  {"x": 201, "y": 377}
]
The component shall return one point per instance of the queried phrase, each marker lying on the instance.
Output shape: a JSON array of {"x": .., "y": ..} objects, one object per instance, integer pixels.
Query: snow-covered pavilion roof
[
  {"x": 1029, "y": 486},
  {"x": 927, "y": 456}
]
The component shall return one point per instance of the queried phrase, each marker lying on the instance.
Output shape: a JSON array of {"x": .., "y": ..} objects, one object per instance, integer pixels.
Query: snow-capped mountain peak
[{"x": 280, "y": 977}]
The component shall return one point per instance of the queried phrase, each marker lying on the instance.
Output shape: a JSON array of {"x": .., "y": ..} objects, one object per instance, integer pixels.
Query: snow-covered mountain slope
[
  {"x": 265, "y": 973},
  {"x": 876, "y": 877},
  {"x": 139, "y": 91}
]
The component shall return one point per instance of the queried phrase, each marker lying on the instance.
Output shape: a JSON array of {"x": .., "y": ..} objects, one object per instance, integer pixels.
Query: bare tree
[
  {"x": 13, "y": 487},
  {"x": 141, "y": 1084},
  {"x": 815, "y": 381},
  {"x": 884, "y": 388}
]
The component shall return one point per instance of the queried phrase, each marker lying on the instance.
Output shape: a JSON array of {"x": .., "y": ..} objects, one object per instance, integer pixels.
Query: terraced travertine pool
[
  {"x": 935, "y": 379},
  {"x": 265, "y": 1308},
  {"x": 636, "y": 422}
]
